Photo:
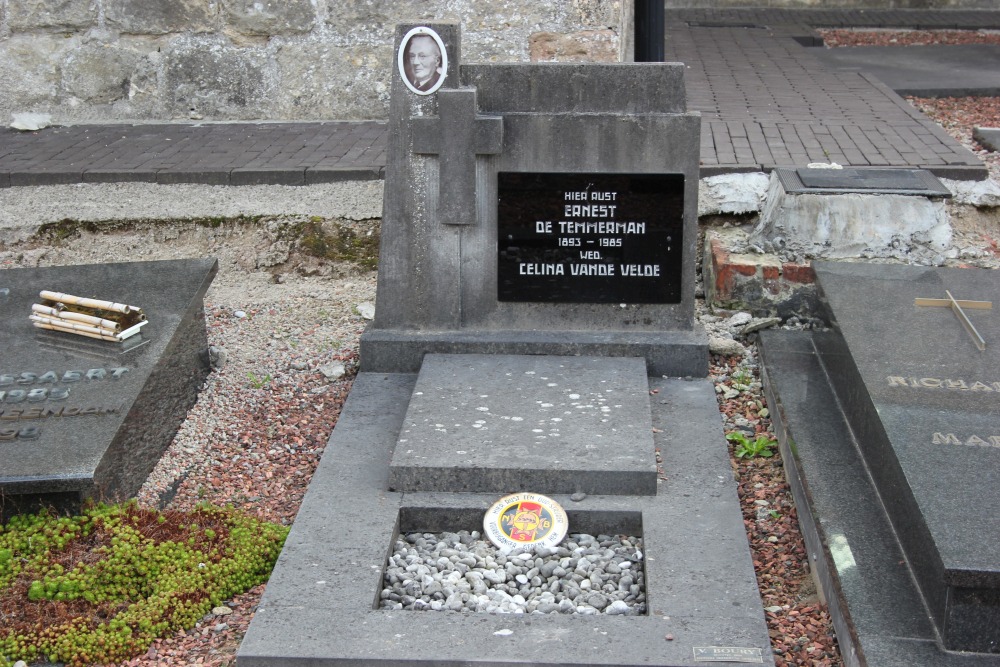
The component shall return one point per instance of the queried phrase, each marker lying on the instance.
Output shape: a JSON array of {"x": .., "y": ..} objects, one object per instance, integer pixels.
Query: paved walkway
[
  {"x": 211, "y": 153},
  {"x": 765, "y": 99}
]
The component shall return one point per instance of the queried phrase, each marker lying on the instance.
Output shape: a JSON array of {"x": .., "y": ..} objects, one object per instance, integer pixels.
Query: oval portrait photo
[{"x": 423, "y": 61}]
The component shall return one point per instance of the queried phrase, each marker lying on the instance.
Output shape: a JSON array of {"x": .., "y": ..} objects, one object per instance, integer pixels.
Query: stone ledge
[{"x": 670, "y": 353}]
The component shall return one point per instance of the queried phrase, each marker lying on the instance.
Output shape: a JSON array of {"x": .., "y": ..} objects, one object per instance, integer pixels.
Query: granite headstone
[{"x": 543, "y": 208}]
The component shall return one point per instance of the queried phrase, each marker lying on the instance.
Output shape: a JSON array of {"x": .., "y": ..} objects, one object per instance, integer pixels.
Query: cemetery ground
[
  {"x": 287, "y": 341},
  {"x": 290, "y": 344}
]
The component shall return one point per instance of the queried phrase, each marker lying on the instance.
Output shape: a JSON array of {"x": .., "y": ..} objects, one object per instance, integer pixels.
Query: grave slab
[
  {"x": 988, "y": 137},
  {"x": 81, "y": 418},
  {"x": 875, "y": 604},
  {"x": 500, "y": 423},
  {"x": 859, "y": 179},
  {"x": 921, "y": 401},
  {"x": 933, "y": 70},
  {"x": 320, "y": 604}
]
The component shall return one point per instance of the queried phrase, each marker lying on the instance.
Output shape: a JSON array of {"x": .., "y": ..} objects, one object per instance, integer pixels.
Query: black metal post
[{"x": 649, "y": 31}]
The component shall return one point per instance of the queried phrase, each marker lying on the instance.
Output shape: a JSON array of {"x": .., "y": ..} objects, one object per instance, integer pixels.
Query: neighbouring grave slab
[
  {"x": 933, "y": 70},
  {"x": 988, "y": 137},
  {"x": 81, "y": 418},
  {"x": 861, "y": 179},
  {"x": 921, "y": 403},
  {"x": 876, "y": 607},
  {"x": 500, "y": 423}
]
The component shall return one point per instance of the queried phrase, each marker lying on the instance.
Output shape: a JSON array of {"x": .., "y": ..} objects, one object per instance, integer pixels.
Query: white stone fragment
[
  {"x": 731, "y": 193},
  {"x": 30, "y": 122},
  {"x": 974, "y": 193}
]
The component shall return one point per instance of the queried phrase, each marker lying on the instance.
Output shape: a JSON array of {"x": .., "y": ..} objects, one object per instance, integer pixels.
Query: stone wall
[{"x": 117, "y": 60}]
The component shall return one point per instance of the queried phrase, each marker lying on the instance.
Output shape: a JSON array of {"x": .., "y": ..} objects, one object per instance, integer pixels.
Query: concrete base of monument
[
  {"x": 320, "y": 607},
  {"x": 671, "y": 353},
  {"x": 878, "y": 612}
]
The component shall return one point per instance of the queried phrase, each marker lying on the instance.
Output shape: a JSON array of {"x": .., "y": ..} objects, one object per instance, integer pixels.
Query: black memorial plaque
[
  {"x": 864, "y": 179},
  {"x": 589, "y": 238}
]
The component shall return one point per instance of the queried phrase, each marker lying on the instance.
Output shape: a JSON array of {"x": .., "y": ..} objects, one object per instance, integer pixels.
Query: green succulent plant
[{"x": 101, "y": 586}]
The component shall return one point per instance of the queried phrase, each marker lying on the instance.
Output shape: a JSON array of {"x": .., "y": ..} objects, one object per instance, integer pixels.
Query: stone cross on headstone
[{"x": 457, "y": 136}]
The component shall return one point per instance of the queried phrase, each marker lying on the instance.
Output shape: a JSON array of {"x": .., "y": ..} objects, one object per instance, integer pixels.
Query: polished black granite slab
[
  {"x": 865, "y": 180},
  {"x": 83, "y": 418},
  {"x": 876, "y": 606},
  {"x": 923, "y": 403}
]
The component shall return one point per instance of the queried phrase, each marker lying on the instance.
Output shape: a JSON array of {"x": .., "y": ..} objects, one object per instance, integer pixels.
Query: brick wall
[{"x": 114, "y": 60}]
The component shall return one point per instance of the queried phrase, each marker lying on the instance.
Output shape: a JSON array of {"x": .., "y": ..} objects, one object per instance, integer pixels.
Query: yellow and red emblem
[{"x": 525, "y": 520}]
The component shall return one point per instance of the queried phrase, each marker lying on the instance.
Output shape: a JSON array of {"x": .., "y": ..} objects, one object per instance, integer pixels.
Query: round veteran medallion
[{"x": 523, "y": 520}]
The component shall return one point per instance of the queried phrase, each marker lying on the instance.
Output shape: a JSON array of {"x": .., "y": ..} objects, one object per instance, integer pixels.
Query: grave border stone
[{"x": 700, "y": 582}]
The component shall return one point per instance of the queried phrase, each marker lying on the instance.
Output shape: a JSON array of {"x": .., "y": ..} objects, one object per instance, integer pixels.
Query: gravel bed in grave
[{"x": 462, "y": 572}]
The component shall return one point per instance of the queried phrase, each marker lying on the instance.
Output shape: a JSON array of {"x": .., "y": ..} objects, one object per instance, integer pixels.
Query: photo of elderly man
[{"x": 422, "y": 64}]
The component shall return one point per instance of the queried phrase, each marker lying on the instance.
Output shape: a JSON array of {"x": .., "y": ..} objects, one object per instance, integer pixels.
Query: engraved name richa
[
  {"x": 951, "y": 384},
  {"x": 942, "y": 383}
]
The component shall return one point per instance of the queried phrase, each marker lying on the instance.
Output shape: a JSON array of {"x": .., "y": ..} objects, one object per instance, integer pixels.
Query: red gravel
[
  {"x": 800, "y": 628},
  {"x": 855, "y": 37}
]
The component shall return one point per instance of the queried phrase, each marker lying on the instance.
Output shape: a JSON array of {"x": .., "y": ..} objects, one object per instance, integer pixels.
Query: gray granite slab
[
  {"x": 875, "y": 180},
  {"x": 988, "y": 137},
  {"x": 507, "y": 423},
  {"x": 922, "y": 403},
  {"x": 936, "y": 70},
  {"x": 319, "y": 607},
  {"x": 91, "y": 418},
  {"x": 877, "y": 608}
]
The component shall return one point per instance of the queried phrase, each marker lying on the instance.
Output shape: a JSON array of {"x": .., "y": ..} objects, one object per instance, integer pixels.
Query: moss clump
[
  {"x": 335, "y": 241},
  {"x": 100, "y": 587}
]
